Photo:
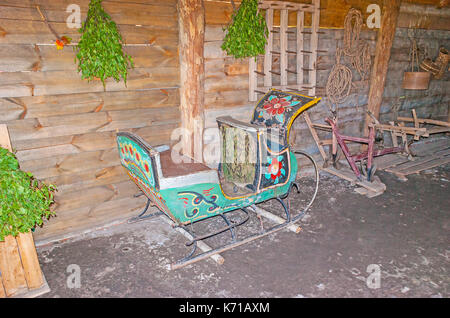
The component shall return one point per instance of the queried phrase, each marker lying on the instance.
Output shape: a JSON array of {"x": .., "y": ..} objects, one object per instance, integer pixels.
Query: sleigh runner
[{"x": 257, "y": 164}]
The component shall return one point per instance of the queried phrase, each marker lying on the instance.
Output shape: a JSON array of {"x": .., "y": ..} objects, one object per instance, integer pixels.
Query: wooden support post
[
  {"x": 268, "y": 51},
  {"x": 385, "y": 38},
  {"x": 191, "y": 21},
  {"x": 299, "y": 43},
  {"x": 283, "y": 46},
  {"x": 313, "y": 47}
]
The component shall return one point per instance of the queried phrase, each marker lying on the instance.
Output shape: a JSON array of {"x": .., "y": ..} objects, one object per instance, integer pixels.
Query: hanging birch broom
[
  {"x": 99, "y": 51},
  {"x": 247, "y": 32}
]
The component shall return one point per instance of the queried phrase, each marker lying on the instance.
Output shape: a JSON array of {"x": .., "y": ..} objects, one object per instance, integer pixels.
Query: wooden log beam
[
  {"x": 378, "y": 75},
  {"x": 191, "y": 20}
]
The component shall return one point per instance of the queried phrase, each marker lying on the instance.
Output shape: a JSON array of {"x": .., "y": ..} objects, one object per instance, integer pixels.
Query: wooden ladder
[{"x": 302, "y": 83}]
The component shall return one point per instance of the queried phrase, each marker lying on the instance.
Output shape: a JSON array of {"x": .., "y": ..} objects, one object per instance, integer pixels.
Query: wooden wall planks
[{"x": 63, "y": 128}]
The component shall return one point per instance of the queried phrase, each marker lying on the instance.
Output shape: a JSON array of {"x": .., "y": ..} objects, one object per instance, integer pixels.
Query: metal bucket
[{"x": 416, "y": 80}]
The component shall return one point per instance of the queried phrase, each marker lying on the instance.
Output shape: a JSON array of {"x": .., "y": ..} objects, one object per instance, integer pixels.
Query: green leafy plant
[
  {"x": 247, "y": 33},
  {"x": 24, "y": 201},
  {"x": 99, "y": 50}
]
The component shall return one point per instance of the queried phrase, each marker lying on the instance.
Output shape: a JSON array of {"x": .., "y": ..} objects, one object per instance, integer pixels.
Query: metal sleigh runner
[{"x": 257, "y": 164}]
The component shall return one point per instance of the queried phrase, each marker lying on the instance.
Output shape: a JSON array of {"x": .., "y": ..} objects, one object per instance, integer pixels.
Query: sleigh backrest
[
  {"x": 277, "y": 110},
  {"x": 140, "y": 160}
]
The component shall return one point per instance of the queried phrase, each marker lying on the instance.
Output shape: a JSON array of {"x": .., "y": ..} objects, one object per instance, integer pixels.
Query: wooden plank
[
  {"x": 11, "y": 267},
  {"x": 31, "y": 57},
  {"x": 67, "y": 104},
  {"x": 88, "y": 179},
  {"x": 76, "y": 124},
  {"x": 30, "y": 262},
  {"x": 37, "y": 32},
  {"x": 389, "y": 160},
  {"x": 348, "y": 175},
  {"x": 66, "y": 201},
  {"x": 430, "y": 147},
  {"x": 121, "y": 13},
  {"x": 84, "y": 4},
  {"x": 18, "y": 84},
  {"x": 5, "y": 141},
  {"x": 419, "y": 162},
  {"x": 426, "y": 165},
  {"x": 70, "y": 164},
  {"x": 74, "y": 222}
]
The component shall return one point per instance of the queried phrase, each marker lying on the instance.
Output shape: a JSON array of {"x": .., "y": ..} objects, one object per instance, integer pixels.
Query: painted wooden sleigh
[{"x": 257, "y": 164}]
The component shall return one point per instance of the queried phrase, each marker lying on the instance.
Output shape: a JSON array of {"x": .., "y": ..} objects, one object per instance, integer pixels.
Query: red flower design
[
  {"x": 146, "y": 167},
  {"x": 275, "y": 168},
  {"x": 137, "y": 156},
  {"x": 276, "y": 106}
]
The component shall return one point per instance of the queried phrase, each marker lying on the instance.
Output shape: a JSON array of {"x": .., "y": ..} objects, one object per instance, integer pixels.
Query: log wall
[
  {"x": 63, "y": 128},
  {"x": 226, "y": 84}
]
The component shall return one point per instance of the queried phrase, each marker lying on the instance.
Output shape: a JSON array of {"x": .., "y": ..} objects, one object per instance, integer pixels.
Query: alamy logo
[
  {"x": 74, "y": 278},
  {"x": 73, "y": 21},
  {"x": 373, "y": 281}
]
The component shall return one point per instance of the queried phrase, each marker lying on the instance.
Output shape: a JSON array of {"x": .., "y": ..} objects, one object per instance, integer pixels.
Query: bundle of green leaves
[
  {"x": 24, "y": 201},
  {"x": 247, "y": 34},
  {"x": 99, "y": 50}
]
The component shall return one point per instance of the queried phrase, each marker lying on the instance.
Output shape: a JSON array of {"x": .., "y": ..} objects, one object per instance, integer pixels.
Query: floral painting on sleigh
[{"x": 276, "y": 108}]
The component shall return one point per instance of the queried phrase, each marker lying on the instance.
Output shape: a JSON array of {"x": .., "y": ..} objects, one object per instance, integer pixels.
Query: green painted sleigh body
[{"x": 256, "y": 165}]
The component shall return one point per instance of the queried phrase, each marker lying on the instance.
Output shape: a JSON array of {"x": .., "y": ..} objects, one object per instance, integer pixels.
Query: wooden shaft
[
  {"x": 425, "y": 121},
  {"x": 344, "y": 148},
  {"x": 314, "y": 135},
  {"x": 275, "y": 218}
]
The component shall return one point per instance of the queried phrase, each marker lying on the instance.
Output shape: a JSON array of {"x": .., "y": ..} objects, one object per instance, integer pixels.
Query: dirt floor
[{"x": 392, "y": 245}]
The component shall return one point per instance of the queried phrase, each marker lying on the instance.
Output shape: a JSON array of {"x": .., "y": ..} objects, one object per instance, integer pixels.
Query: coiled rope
[{"x": 339, "y": 82}]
